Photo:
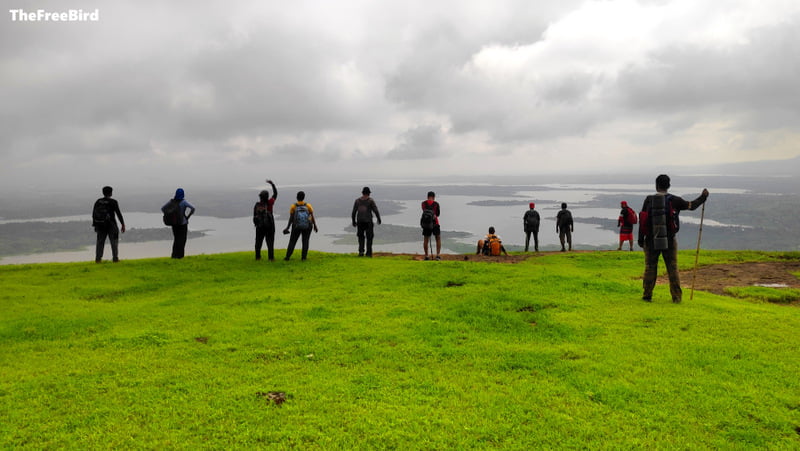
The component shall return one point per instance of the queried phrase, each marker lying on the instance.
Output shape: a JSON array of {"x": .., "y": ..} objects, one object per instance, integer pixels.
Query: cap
[{"x": 531, "y": 205}]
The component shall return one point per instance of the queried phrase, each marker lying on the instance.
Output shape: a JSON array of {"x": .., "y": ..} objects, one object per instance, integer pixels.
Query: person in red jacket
[
  {"x": 430, "y": 224},
  {"x": 625, "y": 222}
]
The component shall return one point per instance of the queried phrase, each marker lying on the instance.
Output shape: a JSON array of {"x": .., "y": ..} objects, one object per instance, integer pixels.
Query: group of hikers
[{"x": 658, "y": 225}]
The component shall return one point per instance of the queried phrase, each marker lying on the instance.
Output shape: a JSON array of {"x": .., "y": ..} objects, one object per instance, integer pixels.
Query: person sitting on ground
[{"x": 491, "y": 245}]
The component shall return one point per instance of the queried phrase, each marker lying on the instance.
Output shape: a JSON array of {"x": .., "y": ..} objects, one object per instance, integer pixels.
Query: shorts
[{"x": 435, "y": 231}]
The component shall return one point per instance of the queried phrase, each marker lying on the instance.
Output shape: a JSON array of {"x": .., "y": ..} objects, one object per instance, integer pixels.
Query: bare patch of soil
[
  {"x": 273, "y": 396},
  {"x": 715, "y": 278},
  {"x": 462, "y": 257}
]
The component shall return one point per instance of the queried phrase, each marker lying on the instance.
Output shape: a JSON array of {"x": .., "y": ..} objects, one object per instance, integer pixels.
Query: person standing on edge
[
  {"x": 301, "y": 220},
  {"x": 362, "y": 220},
  {"x": 104, "y": 220},
  {"x": 564, "y": 226},
  {"x": 430, "y": 224},
  {"x": 264, "y": 221},
  {"x": 625, "y": 222},
  {"x": 530, "y": 223},
  {"x": 180, "y": 224},
  {"x": 658, "y": 226}
]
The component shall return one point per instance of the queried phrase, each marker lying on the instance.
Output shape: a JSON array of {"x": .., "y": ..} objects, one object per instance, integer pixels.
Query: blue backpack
[{"x": 302, "y": 217}]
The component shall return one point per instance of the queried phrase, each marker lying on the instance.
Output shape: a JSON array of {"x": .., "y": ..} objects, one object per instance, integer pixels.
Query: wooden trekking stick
[{"x": 697, "y": 254}]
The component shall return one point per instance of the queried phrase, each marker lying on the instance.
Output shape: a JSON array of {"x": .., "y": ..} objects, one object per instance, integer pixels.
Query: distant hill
[{"x": 790, "y": 167}]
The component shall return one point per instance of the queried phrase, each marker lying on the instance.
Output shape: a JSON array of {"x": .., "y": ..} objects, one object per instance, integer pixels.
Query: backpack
[
  {"x": 364, "y": 210},
  {"x": 428, "y": 219},
  {"x": 630, "y": 216},
  {"x": 564, "y": 218},
  {"x": 495, "y": 245},
  {"x": 302, "y": 217},
  {"x": 660, "y": 221},
  {"x": 101, "y": 213},
  {"x": 172, "y": 213},
  {"x": 531, "y": 220},
  {"x": 261, "y": 215}
]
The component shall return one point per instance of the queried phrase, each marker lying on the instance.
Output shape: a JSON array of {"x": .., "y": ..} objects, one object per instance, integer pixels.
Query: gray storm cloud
[{"x": 206, "y": 85}]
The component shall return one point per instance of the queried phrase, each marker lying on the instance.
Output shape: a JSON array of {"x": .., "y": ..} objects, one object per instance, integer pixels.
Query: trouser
[
  {"x": 266, "y": 233},
  {"x": 112, "y": 232},
  {"x": 366, "y": 231},
  {"x": 535, "y": 239},
  {"x": 565, "y": 234},
  {"x": 670, "y": 257},
  {"x": 179, "y": 233},
  {"x": 306, "y": 234}
]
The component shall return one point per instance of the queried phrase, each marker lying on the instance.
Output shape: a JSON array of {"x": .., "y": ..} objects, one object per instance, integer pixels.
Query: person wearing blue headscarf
[{"x": 180, "y": 231}]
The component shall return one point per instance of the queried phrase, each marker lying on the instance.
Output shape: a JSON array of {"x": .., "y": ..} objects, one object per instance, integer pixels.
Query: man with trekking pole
[{"x": 658, "y": 226}]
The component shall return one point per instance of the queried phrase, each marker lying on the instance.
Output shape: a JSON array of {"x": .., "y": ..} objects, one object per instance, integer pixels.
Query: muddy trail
[{"x": 716, "y": 278}]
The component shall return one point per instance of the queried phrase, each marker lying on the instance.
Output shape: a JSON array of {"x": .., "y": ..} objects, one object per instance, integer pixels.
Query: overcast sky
[{"x": 161, "y": 92}]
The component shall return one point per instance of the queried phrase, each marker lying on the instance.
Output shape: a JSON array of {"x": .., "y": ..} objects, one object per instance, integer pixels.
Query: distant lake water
[{"x": 237, "y": 234}]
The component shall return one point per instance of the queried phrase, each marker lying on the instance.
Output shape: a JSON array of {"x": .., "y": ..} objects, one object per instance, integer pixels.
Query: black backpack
[
  {"x": 531, "y": 220},
  {"x": 172, "y": 213},
  {"x": 428, "y": 219},
  {"x": 101, "y": 213},
  {"x": 364, "y": 210},
  {"x": 661, "y": 220},
  {"x": 261, "y": 216},
  {"x": 564, "y": 218}
]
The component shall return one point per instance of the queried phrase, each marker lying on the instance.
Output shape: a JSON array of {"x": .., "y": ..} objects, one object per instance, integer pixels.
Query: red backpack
[{"x": 631, "y": 216}]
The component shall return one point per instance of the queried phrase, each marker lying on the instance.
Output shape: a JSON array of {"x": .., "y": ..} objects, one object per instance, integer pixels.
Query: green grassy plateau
[{"x": 558, "y": 351}]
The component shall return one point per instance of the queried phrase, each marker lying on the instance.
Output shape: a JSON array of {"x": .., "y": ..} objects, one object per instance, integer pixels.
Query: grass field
[{"x": 558, "y": 351}]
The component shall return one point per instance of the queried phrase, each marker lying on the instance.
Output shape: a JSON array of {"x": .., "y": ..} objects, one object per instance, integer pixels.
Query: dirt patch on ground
[
  {"x": 462, "y": 257},
  {"x": 715, "y": 278}
]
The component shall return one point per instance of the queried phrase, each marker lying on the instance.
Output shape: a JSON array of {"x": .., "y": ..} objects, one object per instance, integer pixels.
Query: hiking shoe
[
  {"x": 426, "y": 258},
  {"x": 116, "y": 260},
  {"x": 676, "y": 300},
  {"x": 647, "y": 298},
  {"x": 438, "y": 257}
]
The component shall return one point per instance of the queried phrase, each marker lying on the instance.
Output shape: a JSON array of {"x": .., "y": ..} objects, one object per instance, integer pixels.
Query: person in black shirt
[
  {"x": 658, "y": 226},
  {"x": 104, "y": 220},
  {"x": 361, "y": 216}
]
